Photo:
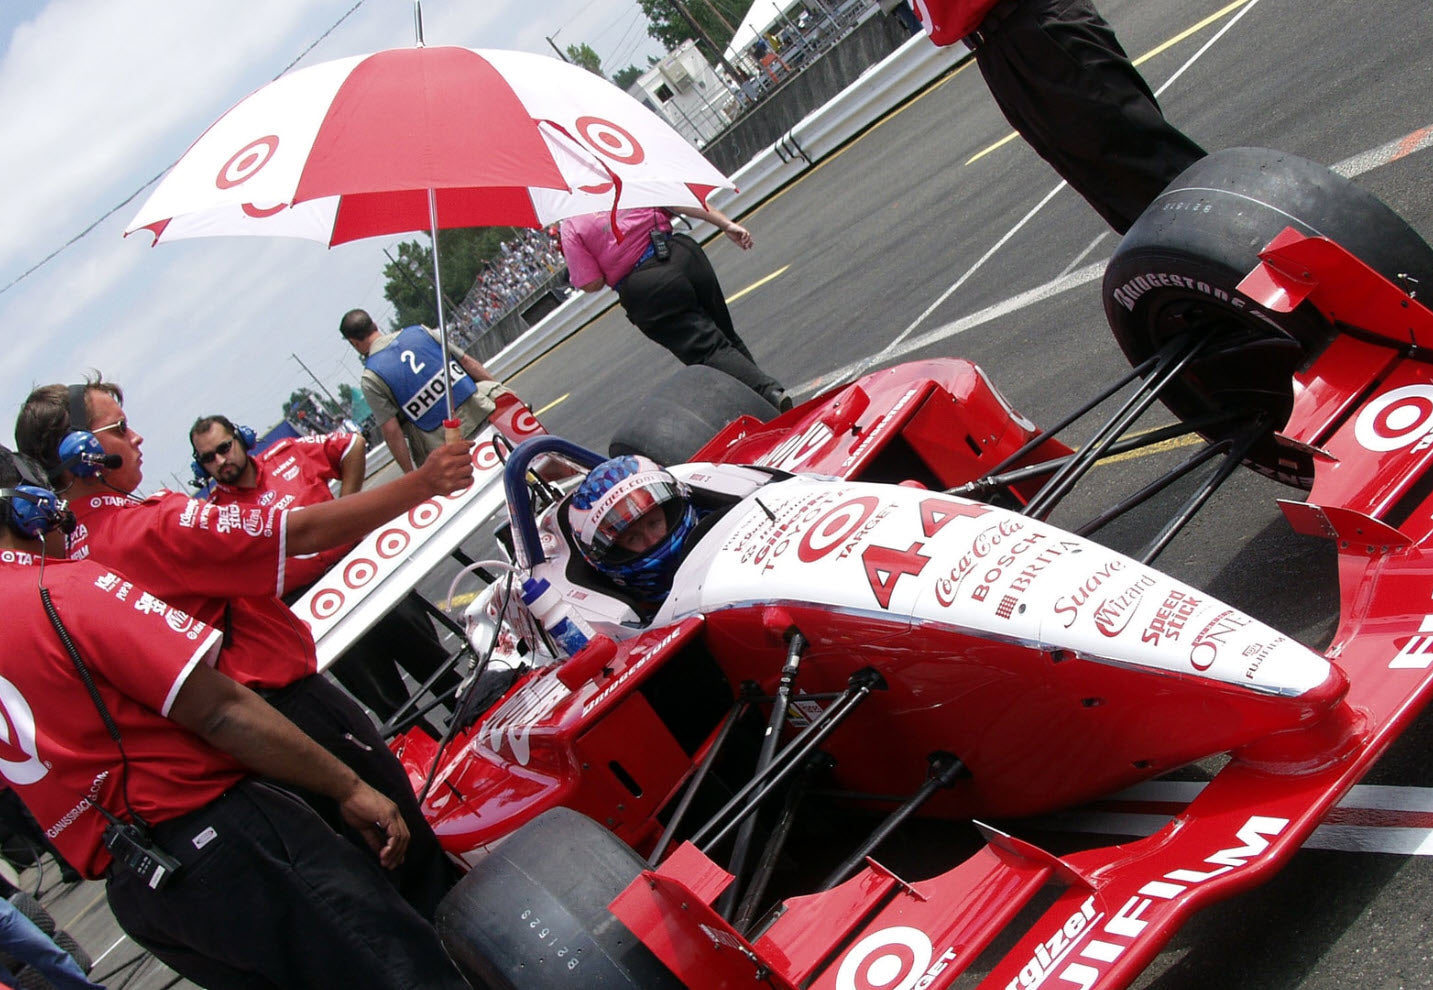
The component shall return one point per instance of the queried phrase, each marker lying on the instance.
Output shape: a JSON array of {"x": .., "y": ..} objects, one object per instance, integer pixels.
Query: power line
[{"x": 151, "y": 181}]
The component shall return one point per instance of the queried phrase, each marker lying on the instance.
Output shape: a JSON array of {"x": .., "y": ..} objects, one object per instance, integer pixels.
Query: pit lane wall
[{"x": 885, "y": 86}]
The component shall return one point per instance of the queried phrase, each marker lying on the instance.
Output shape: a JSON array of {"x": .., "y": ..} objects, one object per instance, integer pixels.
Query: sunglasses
[
  {"x": 122, "y": 426},
  {"x": 208, "y": 456}
]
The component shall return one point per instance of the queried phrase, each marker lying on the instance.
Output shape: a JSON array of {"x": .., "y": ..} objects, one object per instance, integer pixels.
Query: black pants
[
  {"x": 267, "y": 896},
  {"x": 679, "y": 304},
  {"x": 335, "y": 722},
  {"x": 1061, "y": 78},
  {"x": 402, "y": 638}
]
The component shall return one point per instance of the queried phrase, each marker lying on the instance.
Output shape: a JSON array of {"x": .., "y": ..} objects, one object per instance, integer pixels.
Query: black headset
[
  {"x": 80, "y": 450},
  {"x": 30, "y": 507}
]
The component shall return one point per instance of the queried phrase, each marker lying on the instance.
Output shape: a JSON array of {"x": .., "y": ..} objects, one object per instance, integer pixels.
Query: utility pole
[
  {"x": 316, "y": 381},
  {"x": 560, "y": 54},
  {"x": 724, "y": 22},
  {"x": 712, "y": 45}
]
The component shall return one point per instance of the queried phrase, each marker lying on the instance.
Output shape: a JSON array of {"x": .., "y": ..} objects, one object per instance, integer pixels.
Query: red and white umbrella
[
  {"x": 351, "y": 149},
  {"x": 424, "y": 139}
]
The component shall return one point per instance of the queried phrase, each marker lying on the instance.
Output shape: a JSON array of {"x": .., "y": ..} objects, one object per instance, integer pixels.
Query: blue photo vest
[{"x": 412, "y": 367}]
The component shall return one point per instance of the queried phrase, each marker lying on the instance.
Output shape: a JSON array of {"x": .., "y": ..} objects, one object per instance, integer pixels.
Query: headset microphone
[{"x": 109, "y": 462}]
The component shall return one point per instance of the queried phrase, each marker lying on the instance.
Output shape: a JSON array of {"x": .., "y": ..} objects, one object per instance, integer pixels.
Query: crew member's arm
[
  {"x": 397, "y": 444},
  {"x": 234, "y": 719},
  {"x": 475, "y": 369},
  {"x": 353, "y": 467},
  {"x": 596, "y": 285},
  {"x": 739, "y": 234},
  {"x": 331, "y": 524}
]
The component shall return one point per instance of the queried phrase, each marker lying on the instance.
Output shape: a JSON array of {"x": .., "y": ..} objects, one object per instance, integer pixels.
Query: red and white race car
[{"x": 884, "y": 615}]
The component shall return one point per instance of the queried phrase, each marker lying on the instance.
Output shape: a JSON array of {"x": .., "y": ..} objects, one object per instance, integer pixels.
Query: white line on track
[
  {"x": 1342, "y": 832},
  {"x": 1349, "y": 168},
  {"x": 900, "y": 337}
]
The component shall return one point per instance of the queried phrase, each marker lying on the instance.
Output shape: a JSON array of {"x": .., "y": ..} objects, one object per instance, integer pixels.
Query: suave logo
[{"x": 19, "y": 761}]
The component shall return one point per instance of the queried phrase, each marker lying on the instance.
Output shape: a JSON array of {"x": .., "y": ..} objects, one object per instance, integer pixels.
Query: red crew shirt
[
  {"x": 56, "y": 752},
  {"x": 291, "y": 474},
  {"x": 222, "y": 564}
]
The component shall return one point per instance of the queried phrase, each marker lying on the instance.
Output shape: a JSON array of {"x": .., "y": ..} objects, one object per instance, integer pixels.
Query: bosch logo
[
  {"x": 896, "y": 958},
  {"x": 1397, "y": 419},
  {"x": 247, "y": 161}
]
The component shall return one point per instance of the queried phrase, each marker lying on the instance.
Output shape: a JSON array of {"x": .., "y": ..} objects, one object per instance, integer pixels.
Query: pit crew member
[
  {"x": 245, "y": 886},
  {"x": 225, "y": 565},
  {"x": 295, "y": 473},
  {"x": 403, "y": 384}
]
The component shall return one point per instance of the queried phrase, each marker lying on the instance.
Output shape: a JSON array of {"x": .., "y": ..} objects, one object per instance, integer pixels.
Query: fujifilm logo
[{"x": 1086, "y": 945}]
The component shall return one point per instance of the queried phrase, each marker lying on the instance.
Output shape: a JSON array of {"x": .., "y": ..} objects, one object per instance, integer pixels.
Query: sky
[{"x": 99, "y": 97}]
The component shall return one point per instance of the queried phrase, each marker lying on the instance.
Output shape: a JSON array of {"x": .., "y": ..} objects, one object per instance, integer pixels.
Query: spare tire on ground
[
  {"x": 1178, "y": 269},
  {"x": 533, "y": 915},
  {"x": 673, "y": 420}
]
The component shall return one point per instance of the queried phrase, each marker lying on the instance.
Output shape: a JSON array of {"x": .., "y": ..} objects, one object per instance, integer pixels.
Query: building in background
[{"x": 685, "y": 91}]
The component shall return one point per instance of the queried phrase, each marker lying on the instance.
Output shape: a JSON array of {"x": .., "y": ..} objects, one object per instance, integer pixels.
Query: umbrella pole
[{"x": 452, "y": 429}]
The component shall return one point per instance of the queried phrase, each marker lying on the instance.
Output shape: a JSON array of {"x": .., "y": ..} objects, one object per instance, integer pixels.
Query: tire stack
[{"x": 25, "y": 977}]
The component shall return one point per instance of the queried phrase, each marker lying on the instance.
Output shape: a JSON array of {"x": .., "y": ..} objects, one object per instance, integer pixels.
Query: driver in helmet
[{"x": 633, "y": 522}]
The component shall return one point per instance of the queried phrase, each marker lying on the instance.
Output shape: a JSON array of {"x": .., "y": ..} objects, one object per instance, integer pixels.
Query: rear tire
[
  {"x": 533, "y": 914},
  {"x": 677, "y": 417},
  {"x": 1178, "y": 269}
]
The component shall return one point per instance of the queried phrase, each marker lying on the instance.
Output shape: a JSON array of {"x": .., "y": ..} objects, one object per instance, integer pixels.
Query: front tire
[
  {"x": 1178, "y": 268},
  {"x": 533, "y": 914}
]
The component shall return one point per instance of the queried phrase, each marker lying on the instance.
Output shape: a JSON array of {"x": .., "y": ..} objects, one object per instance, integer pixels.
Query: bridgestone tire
[
  {"x": 1180, "y": 264},
  {"x": 533, "y": 914},
  {"x": 677, "y": 417}
]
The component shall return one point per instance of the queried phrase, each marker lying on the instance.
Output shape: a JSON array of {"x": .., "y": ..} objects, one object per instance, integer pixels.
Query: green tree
[
  {"x": 409, "y": 273},
  {"x": 623, "y": 78},
  {"x": 716, "y": 19},
  {"x": 584, "y": 56}
]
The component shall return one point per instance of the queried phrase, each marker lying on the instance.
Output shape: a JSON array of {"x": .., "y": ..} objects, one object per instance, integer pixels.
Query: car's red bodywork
[{"x": 588, "y": 734}]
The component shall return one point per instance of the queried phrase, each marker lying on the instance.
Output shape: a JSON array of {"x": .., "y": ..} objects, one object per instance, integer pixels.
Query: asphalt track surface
[{"x": 933, "y": 235}]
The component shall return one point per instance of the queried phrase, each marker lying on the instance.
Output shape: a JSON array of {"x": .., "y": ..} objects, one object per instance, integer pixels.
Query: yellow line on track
[
  {"x": 1195, "y": 29},
  {"x": 1173, "y": 443},
  {"x": 557, "y": 401},
  {"x": 754, "y": 285}
]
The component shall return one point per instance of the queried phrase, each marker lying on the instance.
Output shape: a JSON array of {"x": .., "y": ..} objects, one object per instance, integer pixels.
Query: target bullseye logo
[
  {"x": 326, "y": 603},
  {"x": 425, "y": 514},
  {"x": 1397, "y": 419},
  {"x": 259, "y": 212},
  {"x": 525, "y": 422},
  {"x": 833, "y": 528},
  {"x": 890, "y": 959},
  {"x": 485, "y": 456},
  {"x": 392, "y": 542},
  {"x": 359, "y": 572},
  {"x": 606, "y": 138},
  {"x": 245, "y": 162}
]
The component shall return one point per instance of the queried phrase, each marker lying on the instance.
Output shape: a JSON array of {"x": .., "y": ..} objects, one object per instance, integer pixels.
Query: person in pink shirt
[{"x": 667, "y": 286}]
